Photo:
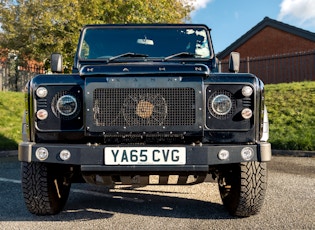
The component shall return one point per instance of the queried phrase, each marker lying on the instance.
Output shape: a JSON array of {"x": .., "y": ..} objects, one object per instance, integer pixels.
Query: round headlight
[
  {"x": 221, "y": 104},
  {"x": 67, "y": 105}
]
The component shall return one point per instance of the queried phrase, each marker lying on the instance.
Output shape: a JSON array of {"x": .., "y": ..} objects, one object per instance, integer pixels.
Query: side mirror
[
  {"x": 234, "y": 62},
  {"x": 56, "y": 63}
]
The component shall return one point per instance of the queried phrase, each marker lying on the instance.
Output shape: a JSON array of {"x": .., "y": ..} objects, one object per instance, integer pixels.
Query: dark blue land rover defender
[{"x": 144, "y": 100}]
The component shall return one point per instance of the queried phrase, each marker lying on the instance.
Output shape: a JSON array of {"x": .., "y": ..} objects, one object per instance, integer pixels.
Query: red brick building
[{"x": 275, "y": 51}]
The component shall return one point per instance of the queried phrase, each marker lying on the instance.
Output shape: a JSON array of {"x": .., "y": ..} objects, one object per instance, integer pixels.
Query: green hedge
[{"x": 291, "y": 109}]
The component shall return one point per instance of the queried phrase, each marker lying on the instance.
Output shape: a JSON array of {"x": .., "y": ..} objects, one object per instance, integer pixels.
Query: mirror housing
[
  {"x": 234, "y": 62},
  {"x": 145, "y": 41},
  {"x": 56, "y": 63}
]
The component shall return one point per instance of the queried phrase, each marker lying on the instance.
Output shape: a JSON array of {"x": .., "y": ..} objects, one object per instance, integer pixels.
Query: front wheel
[
  {"x": 243, "y": 187},
  {"x": 45, "y": 187}
]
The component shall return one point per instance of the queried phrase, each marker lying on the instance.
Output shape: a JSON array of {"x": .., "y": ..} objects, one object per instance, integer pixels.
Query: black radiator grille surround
[{"x": 129, "y": 106}]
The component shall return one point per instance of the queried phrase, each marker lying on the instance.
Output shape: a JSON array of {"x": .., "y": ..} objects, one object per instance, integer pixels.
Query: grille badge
[{"x": 144, "y": 109}]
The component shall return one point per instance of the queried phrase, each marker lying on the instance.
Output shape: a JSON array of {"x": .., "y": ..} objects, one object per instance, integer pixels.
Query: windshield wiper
[
  {"x": 129, "y": 54},
  {"x": 181, "y": 54}
]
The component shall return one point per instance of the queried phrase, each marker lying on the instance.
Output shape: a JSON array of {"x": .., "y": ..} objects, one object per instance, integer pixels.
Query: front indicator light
[
  {"x": 247, "y": 153},
  {"x": 247, "y": 113},
  {"x": 223, "y": 154},
  {"x": 42, "y": 114},
  {"x": 41, "y": 92},
  {"x": 65, "y": 155},
  {"x": 41, "y": 153},
  {"x": 247, "y": 91}
]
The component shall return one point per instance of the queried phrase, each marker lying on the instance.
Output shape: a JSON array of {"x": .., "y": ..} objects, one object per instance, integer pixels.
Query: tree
[{"x": 37, "y": 28}]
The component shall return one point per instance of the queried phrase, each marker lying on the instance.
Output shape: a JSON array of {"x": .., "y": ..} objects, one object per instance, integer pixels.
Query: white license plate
[{"x": 145, "y": 155}]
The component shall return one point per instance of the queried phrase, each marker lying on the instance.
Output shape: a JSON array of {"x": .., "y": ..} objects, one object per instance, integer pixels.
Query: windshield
[{"x": 158, "y": 42}]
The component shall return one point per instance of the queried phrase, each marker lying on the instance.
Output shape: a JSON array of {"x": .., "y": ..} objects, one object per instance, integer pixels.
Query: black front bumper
[{"x": 91, "y": 157}]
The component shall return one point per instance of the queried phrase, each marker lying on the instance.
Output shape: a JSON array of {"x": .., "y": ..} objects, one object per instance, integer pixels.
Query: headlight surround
[
  {"x": 229, "y": 110},
  {"x": 60, "y": 110}
]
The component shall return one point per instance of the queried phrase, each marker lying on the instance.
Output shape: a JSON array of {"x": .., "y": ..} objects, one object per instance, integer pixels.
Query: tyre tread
[
  {"x": 253, "y": 188},
  {"x": 38, "y": 191},
  {"x": 245, "y": 189}
]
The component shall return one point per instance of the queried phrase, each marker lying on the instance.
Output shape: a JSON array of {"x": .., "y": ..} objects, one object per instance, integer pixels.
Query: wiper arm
[
  {"x": 181, "y": 54},
  {"x": 129, "y": 54}
]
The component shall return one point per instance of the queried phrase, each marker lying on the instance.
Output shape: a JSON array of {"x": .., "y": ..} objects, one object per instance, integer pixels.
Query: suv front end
[{"x": 131, "y": 111}]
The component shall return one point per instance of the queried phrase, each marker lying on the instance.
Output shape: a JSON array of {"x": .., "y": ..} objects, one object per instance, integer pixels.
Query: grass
[
  {"x": 11, "y": 112},
  {"x": 291, "y": 108}
]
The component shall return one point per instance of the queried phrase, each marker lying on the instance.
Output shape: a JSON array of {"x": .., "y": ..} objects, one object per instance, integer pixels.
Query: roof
[{"x": 260, "y": 26}]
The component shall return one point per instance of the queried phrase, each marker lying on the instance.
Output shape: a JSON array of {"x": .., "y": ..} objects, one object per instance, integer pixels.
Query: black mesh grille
[{"x": 144, "y": 107}]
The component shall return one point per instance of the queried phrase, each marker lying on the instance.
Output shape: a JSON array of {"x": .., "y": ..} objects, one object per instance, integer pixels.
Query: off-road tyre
[
  {"x": 243, "y": 187},
  {"x": 45, "y": 187}
]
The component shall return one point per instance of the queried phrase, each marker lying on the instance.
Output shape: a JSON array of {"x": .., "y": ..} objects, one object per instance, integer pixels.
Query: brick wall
[{"x": 271, "y": 41}]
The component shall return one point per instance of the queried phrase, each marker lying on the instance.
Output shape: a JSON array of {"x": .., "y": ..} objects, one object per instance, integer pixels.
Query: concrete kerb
[
  {"x": 293, "y": 153},
  {"x": 289, "y": 153},
  {"x": 8, "y": 153}
]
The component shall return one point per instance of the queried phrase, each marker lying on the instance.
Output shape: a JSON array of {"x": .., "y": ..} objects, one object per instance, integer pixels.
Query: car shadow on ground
[
  {"x": 147, "y": 203},
  {"x": 90, "y": 204}
]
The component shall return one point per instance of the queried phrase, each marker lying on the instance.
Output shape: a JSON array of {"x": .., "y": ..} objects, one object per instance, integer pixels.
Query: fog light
[
  {"x": 42, "y": 114},
  {"x": 247, "y": 153},
  {"x": 223, "y": 154},
  {"x": 64, "y": 155},
  {"x": 41, "y": 153},
  {"x": 247, "y": 113}
]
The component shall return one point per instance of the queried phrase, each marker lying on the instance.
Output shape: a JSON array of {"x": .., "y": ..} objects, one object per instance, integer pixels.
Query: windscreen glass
[{"x": 105, "y": 43}]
